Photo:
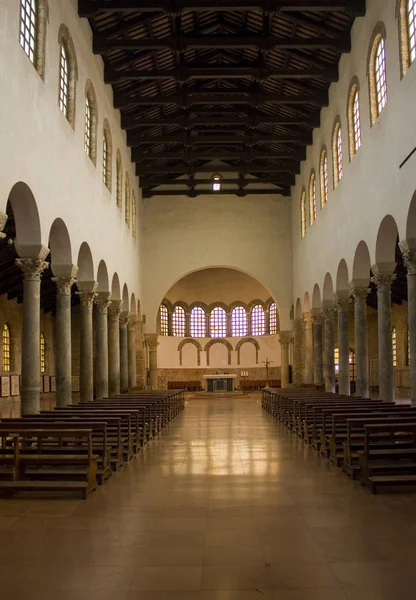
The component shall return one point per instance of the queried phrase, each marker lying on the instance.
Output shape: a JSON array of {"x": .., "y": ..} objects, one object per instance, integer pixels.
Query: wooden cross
[{"x": 267, "y": 364}]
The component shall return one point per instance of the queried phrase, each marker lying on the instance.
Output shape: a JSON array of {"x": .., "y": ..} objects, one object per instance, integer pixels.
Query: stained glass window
[
  {"x": 164, "y": 320},
  {"x": 239, "y": 322},
  {"x": 312, "y": 199},
  {"x": 6, "y": 348},
  {"x": 303, "y": 214},
  {"x": 356, "y": 121},
  {"x": 380, "y": 75},
  {"x": 42, "y": 354},
  {"x": 87, "y": 132},
  {"x": 258, "y": 320},
  {"x": 179, "y": 322},
  {"x": 273, "y": 318},
  {"x": 28, "y": 28},
  {"x": 218, "y": 322},
  {"x": 63, "y": 82},
  {"x": 324, "y": 178},
  {"x": 198, "y": 322},
  {"x": 394, "y": 344}
]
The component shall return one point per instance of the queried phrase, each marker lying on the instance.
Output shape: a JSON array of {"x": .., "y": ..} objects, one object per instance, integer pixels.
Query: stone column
[
  {"x": 114, "y": 312},
  {"x": 308, "y": 347},
  {"x": 408, "y": 248},
  {"x": 298, "y": 351},
  {"x": 187, "y": 323},
  {"x": 362, "y": 382},
  {"x": 152, "y": 344},
  {"x": 284, "y": 339},
  {"x": 341, "y": 305},
  {"x": 383, "y": 279},
  {"x": 131, "y": 350},
  {"x": 102, "y": 303},
  {"x": 329, "y": 366},
  {"x": 30, "y": 391},
  {"x": 318, "y": 374},
  {"x": 86, "y": 358},
  {"x": 124, "y": 359},
  {"x": 63, "y": 354}
]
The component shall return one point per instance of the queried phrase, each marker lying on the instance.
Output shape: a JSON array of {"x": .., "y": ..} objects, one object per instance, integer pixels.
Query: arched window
[
  {"x": 312, "y": 198},
  {"x": 258, "y": 320},
  {"x": 179, "y": 322},
  {"x": 42, "y": 354},
  {"x": 218, "y": 323},
  {"x": 90, "y": 126},
  {"x": 239, "y": 322},
  {"x": 127, "y": 200},
  {"x": 408, "y": 347},
  {"x": 351, "y": 363},
  {"x": 198, "y": 322},
  {"x": 68, "y": 74},
  {"x": 6, "y": 348},
  {"x": 324, "y": 177},
  {"x": 407, "y": 25},
  {"x": 273, "y": 319},
  {"x": 164, "y": 320},
  {"x": 119, "y": 180},
  {"x": 354, "y": 118},
  {"x": 32, "y": 31},
  {"x": 133, "y": 215},
  {"x": 303, "y": 214},
  {"x": 394, "y": 344},
  {"x": 107, "y": 155},
  {"x": 377, "y": 73},
  {"x": 337, "y": 153}
]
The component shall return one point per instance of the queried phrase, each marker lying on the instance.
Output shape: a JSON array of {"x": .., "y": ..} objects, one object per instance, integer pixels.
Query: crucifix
[{"x": 267, "y": 364}]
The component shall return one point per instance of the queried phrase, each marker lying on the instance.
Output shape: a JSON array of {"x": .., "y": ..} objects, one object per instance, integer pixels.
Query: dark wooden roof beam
[
  {"x": 220, "y": 139},
  {"x": 188, "y": 169},
  {"x": 283, "y": 191},
  {"x": 219, "y": 155},
  {"x": 281, "y": 180},
  {"x": 90, "y": 8},
  {"x": 133, "y": 122}
]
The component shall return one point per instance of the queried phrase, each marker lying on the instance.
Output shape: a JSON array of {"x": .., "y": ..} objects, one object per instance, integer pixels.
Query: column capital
[
  {"x": 3, "y": 220},
  {"x": 87, "y": 298},
  {"x": 285, "y": 337},
  {"x": 382, "y": 278},
  {"x": 64, "y": 285},
  {"x": 316, "y": 316},
  {"x": 328, "y": 311},
  {"x": 408, "y": 249},
  {"x": 132, "y": 324},
  {"x": 103, "y": 301},
  {"x": 32, "y": 267},
  {"x": 124, "y": 320},
  {"x": 115, "y": 309},
  {"x": 307, "y": 317},
  {"x": 152, "y": 341},
  {"x": 359, "y": 293},
  {"x": 341, "y": 303}
]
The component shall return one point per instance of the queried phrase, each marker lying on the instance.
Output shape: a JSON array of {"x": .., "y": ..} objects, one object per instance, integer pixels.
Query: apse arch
[
  {"x": 85, "y": 263},
  {"x": 26, "y": 217},
  {"x": 411, "y": 219},
  {"x": 194, "y": 343}
]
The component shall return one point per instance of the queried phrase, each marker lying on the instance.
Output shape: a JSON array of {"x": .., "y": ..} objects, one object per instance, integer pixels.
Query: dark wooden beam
[
  {"x": 138, "y": 156},
  {"x": 115, "y": 76},
  {"x": 188, "y": 169},
  {"x": 90, "y": 8},
  {"x": 294, "y": 138},
  {"x": 232, "y": 98},
  {"x": 283, "y": 191},
  {"x": 103, "y": 45},
  {"x": 281, "y": 180},
  {"x": 137, "y": 121}
]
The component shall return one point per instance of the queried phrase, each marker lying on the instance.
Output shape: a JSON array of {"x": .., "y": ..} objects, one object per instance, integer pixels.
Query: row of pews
[
  {"x": 78, "y": 447},
  {"x": 372, "y": 441}
]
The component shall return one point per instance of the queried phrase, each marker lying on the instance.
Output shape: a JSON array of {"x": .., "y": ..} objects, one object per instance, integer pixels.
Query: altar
[{"x": 220, "y": 382}]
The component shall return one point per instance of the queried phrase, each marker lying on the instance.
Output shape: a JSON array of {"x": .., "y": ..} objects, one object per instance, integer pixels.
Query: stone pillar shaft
[
  {"x": 86, "y": 372},
  {"x": 362, "y": 383},
  {"x": 298, "y": 351},
  {"x": 409, "y": 255},
  {"x": 318, "y": 374},
  {"x": 284, "y": 338},
  {"x": 131, "y": 341},
  {"x": 308, "y": 348},
  {"x": 63, "y": 354},
  {"x": 343, "y": 347},
  {"x": 329, "y": 366},
  {"x": 124, "y": 360},
  {"x": 114, "y": 348},
  {"x": 101, "y": 343},
  {"x": 385, "y": 342},
  {"x": 152, "y": 344},
  {"x": 30, "y": 392}
]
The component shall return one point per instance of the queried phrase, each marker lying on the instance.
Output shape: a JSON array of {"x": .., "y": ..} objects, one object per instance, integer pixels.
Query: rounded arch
[
  {"x": 361, "y": 264},
  {"x": 316, "y": 297},
  {"x": 115, "y": 288},
  {"x": 298, "y": 309},
  {"x": 60, "y": 244},
  {"x": 225, "y": 343},
  {"x": 411, "y": 219},
  {"x": 213, "y": 305},
  {"x": 133, "y": 304},
  {"x": 85, "y": 263},
  {"x": 328, "y": 290},
  {"x": 126, "y": 298},
  {"x": 306, "y": 303},
  {"x": 254, "y": 303},
  {"x": 386, "y": 241},
  {"x": 181, "y": 304},
  {"x": 248, "y": 340},
  {"x": 202, "y": 305},
  {"x": 194, "y": 343},
  {"x": 102, "y": 278},
  {"x": 26, "y": 216},
  {"x": 342, "y": 281}
]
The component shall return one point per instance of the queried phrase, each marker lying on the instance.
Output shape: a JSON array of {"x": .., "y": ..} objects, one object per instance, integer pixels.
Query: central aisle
[{"x": 224, "y": 506}]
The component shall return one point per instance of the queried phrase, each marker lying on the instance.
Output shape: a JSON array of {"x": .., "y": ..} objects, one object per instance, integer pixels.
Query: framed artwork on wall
[
  {"x": 53, "y": 383},
  {"x": 5, "y": 386},
  {"x": 75, "y": 384},
  {"x": 14, "y": 385},
  {"x": 46, "y": 386}
]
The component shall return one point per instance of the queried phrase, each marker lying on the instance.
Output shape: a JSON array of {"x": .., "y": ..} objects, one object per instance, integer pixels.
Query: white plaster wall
[
  {"x": 39, "y": 147},
  {"x": 250, "y": 234},
  {"x": 373, "y": 186},
  {"x": 168, "y": 354}
]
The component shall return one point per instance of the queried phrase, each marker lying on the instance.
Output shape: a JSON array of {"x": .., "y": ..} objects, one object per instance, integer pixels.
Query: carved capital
[
  {"x": 284, "y": 338},
  {"x": 115, "y": 309},
  {"x": 3, "y": 220},
  {"x": 307, "y": 318},
  {"x": 152, "y": 341},
  {"x": 328, "y": 311},
  {"x": 102, "y": 302},
  {"x": 409, "y": 255},
  {"x": 132, "y": 324},
  {"x": 382, "y": 280},
  {"x": 341, "y": 304},
  {"x": 124, "y": 320},
  {"x": 317, "y": 317},
  {"x": 32, "y": 267},
  {"x": 63, "y": 285},
  {"x": 87, "y": 299},
  {"x": 359, "y": 294}
]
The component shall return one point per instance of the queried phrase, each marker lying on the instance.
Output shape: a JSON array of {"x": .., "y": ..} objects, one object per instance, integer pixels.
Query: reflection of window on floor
[{"x": 351, "y": 361}]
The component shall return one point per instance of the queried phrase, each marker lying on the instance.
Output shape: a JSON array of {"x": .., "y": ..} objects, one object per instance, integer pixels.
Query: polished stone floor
[{"x": 224, "y": 506}]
